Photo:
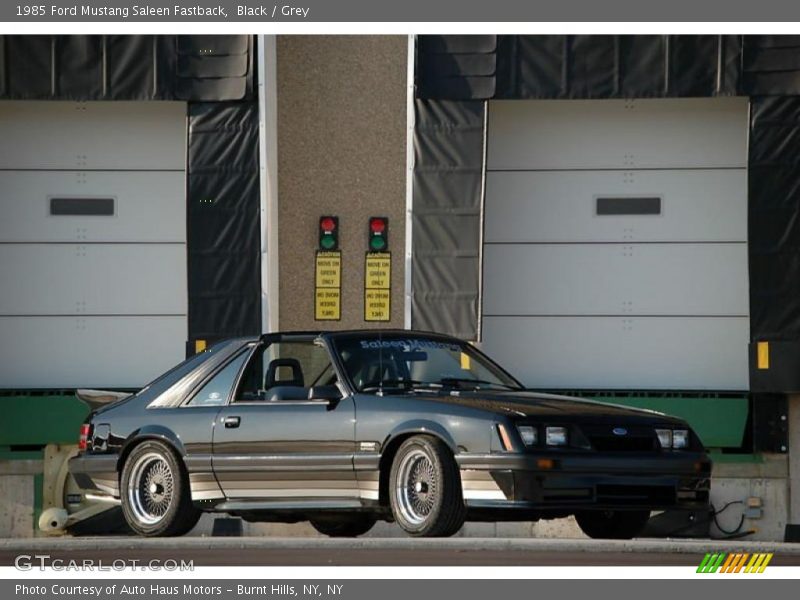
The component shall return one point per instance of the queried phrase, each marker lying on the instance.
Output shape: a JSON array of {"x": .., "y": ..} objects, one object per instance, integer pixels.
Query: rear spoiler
[{"x": 97, "y": 398}]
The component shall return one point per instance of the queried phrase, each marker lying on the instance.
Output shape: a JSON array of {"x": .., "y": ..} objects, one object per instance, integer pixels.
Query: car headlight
[
  {"x": 664, "y": 437},
  {"x": 680, "y": 438},
  {"x": 529, "y": 434},
  {"x": 556, "y": 436},
  {"x": 677, "y": 439}
]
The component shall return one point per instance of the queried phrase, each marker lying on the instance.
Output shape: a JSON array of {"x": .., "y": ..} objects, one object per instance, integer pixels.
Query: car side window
[
  {"x": 217, "y": 390},
  {"x": 285, "y": 371}
]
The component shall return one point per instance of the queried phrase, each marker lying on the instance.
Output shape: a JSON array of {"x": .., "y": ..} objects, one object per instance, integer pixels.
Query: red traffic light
[
  {"x": 377, "y": 225},
  {"x": 327, "y": 224}
]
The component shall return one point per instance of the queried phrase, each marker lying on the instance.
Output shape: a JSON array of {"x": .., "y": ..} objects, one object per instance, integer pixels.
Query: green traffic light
[
  {"x": 327, "y": 241},
  {"x": 377, "y": 243}
]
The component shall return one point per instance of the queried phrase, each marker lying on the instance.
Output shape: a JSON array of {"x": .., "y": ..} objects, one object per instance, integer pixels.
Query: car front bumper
[{"x": 568, "y": 482}]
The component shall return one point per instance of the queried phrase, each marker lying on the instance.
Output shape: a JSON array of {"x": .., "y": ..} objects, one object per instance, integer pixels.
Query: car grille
[
  {"x": 636, "y": 439},
  {"x": 622, "y": 444}
]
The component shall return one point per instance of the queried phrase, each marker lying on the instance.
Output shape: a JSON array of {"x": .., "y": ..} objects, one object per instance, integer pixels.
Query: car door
[{"x": 273, "y": 445}]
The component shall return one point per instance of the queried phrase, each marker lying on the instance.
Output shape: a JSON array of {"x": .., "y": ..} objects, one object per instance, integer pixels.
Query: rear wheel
[
  {"x": 612, "y": 524},
  {"x": 425, "y": 488},
  {"x": 154, "y": 488},
  {"x": 349, "y": 526}
]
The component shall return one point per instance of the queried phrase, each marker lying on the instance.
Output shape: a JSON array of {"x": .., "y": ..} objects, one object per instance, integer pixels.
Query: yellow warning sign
[
  {"x": 327, "y": 305},
  {"x": 329, "y": 269},
  {"x": 328, "y": 286},
  {"x": 377, "y": 305},
  {"x": 378, "y": 272},
  {"x": 377, "y": 286}
]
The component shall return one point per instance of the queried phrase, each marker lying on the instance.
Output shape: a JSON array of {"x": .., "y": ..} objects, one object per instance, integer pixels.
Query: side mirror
[{"x": 330, "y": 393}]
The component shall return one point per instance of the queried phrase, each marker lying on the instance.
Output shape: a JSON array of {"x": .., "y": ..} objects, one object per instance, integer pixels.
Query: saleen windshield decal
[{"x": 408, "y": 344}]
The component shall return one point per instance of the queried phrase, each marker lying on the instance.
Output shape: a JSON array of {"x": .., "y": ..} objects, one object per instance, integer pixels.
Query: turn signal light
[{"x": 83, "y": 440}]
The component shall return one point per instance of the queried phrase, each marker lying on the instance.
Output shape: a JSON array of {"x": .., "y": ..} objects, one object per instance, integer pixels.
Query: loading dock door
[
  {"x": 615, "y": 243},
  {"x": 92, "y": 242}
]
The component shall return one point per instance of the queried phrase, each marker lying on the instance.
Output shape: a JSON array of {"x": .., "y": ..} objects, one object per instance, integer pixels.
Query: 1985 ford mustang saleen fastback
[{"x": 347, "y": 428}]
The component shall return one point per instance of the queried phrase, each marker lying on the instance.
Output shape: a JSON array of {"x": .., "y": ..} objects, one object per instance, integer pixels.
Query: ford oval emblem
[{"x": 619, "y": 431}]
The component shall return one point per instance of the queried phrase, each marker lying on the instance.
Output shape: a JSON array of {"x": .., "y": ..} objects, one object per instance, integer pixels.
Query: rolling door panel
[
  {"x": 92, "y": 243},
  {"x": 93, "y": 135},
  {"x": 615, "y": 243},
  {"x": 93, "y": 279},
  {"x": 618, "y": 134},
  {"x": 148, "y": 206},
  {"x": 96, "y": 352},
  {"x": 622, "y": 353},
  {"x": 616, "y": 279},
  {"x": 546, "y": 206}
]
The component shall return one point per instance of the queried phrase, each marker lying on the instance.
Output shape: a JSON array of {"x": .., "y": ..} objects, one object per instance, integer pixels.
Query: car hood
[{"x": 536, "y": 404}]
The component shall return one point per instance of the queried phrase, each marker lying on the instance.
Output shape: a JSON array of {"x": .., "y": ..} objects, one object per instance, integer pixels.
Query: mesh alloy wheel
[
  {"x": 417, "y": 486},
  {"x": 155, "y": 492},
  {"x": 425, "y": 488},
  {"x": 152, "y": 489}
]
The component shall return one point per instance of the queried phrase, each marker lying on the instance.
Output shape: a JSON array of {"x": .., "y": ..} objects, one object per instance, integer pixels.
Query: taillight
[{"x": 83, "y": 440}]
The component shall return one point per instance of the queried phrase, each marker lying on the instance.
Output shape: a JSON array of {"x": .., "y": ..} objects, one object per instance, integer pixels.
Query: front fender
[{"x": 422, "y": 426}]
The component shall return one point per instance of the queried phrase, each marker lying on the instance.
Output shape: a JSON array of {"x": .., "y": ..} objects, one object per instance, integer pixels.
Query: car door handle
[{"x": 231, "y": 422}]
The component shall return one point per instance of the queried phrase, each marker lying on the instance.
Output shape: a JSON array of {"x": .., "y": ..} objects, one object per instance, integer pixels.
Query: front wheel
[
  {"x": 612, "y": 524},
  {"x": 154, "y": 489},
  {"x": 350, "y": 526},
  {"x": 425, "y": 492}
]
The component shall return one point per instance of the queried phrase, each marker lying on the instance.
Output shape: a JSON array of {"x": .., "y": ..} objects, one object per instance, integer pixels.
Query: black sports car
[{"x": 347, "y": 428}]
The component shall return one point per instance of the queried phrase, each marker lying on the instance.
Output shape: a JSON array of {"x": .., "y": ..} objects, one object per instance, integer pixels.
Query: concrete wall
[
  {"x": 766, "y": 481},
  {"x": 341, "y": 151}
]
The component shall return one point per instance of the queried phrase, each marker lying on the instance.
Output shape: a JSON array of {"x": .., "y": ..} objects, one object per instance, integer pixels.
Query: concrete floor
[{"x": 274, "y": 551}]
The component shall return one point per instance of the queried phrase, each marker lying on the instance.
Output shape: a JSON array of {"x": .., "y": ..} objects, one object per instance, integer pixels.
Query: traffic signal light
[
  {"x": 329, "y": 233},
  {"x": 378, "y": 234}
]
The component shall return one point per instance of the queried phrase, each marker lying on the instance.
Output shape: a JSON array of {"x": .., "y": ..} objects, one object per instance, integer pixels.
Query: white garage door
[
  {"x": 615, "y": 243},
  {"x": 92, "y": 242}
]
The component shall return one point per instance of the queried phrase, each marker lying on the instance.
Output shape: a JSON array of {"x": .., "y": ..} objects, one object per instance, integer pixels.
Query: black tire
[
  {"x": 425, "y": 488},
  {"x": 612, "y": 524},
  {"x": 166, "y": 509},
  {"x": 345, "y": 526}
]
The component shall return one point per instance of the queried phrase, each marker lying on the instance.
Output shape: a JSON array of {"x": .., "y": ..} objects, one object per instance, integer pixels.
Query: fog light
[
  {"x": 528, "y": 434},
  {"x": 556, "y": 436},
  {"x": 664, "y": 437},
  {"x": 680, "y": 438}
]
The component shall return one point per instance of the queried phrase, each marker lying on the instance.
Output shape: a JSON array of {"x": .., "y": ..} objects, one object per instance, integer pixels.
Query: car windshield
[{"x": 376, "y": 362}]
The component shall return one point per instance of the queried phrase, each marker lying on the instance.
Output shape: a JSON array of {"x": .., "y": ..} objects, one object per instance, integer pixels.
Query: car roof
[{"x": 356, "y": 332}]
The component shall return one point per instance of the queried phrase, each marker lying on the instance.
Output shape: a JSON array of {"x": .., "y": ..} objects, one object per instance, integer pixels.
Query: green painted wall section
[
  {"x": 36, "y": 420},
  {"x": 719, "y": 420}
]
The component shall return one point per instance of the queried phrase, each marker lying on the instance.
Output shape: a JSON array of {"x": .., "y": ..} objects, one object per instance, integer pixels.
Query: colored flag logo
[{"x": 722, "y": 562}]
